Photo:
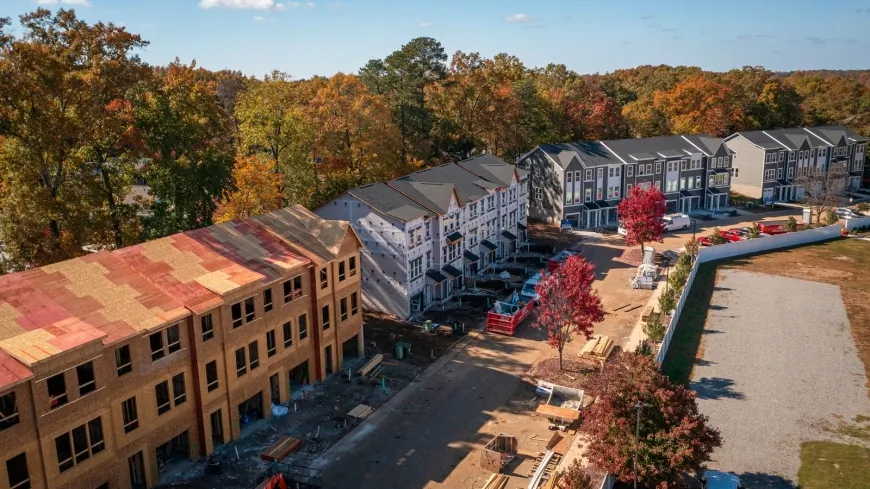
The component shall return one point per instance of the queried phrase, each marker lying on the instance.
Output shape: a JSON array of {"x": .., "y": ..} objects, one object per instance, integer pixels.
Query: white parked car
[
  {"x": 846, "y": 213},
  {"x": 672, "y": 223},
  {"x": 713, "y": 479},
  {"x": 528, "y": 292}
]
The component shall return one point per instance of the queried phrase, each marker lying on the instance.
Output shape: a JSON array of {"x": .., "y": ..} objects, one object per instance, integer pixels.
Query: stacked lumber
[
  {"x": 496, "y": 481},
  {"x": 279, "y": 450},
  {"x": 371, "y": 364},
  {"x": 361, "y": 411}
]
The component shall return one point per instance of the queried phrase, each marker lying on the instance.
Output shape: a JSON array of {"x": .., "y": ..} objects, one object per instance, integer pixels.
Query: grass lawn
[
  {"x": 843, "y": 262},
  {"x": 827, "y": 465}
]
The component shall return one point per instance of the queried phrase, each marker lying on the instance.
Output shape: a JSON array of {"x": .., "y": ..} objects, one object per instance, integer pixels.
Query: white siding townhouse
[{"x": 425, "y": 234}]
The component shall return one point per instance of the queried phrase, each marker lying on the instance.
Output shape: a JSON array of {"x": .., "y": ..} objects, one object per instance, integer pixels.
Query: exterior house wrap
[
  {"x": 770, "y": 165},
  {"x": 583, "y": 182},
  {"x": 428, "y": 234},
  {"x": 116, "y": 363}
]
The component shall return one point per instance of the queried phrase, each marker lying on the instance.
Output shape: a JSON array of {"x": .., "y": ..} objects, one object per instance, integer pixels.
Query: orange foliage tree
[
  {"x": 256, "y": 190},
  {"x": 700, "y": 105}
]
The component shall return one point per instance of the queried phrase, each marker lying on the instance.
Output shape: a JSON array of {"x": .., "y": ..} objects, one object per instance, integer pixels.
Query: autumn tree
[
  {"x": 674, "y": 436},
  {"x": 256, "y": 190},
  {"x": 575, "y": 476},
  {"x": 568, "y": 304},
  {"x": 700, "y": 105},
  {"x": 641, "y": 215},
  {"x": 190, "y": 142}
]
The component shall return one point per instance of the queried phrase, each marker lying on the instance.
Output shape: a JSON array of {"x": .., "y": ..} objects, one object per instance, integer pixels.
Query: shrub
[
  {"x": 684, "y": 261},
  {"x": 574, "y": 477},
  {"x": 863, "y": 207},
  {"x": 692, "y": 247},
  {"x": 668, "y": 301},
  {"x": 717, "y": 238},
  {"x": 791, "y": 225},
  {"x": 754, "y": 232},
  {"x": 654, "y": 329},
  {"x": 830, "y": 218},
  {"x": 644, "y": 348},
  {"x": 678, "y": 277}
]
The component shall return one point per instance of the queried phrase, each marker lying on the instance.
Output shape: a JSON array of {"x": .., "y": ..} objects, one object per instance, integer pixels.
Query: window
[
  {"x": 628, "y": 188},
  {"x": 324, "y": 278},
  {"x": 211, "y": 375},
  {"x": 588, "y": 175},
  {"x": 568, "y": 198},
  {"x": 293, "y": 289},
  {"x": 87, "y": 381},
  {"x": 156, "y": 340},
  {"x": 791, "y": 156},
  {"x": 684, "y": 165},
  {"x": 254, "y": 354},
  {"x": 179, "y": 393},
  {"x": 237, "y": 313},
  {"x": 79, "y": 444},
  {"x": 271, "y": 346},
  {"x": 343, "y": 308},
  {"x": 823, "y": 152},
  {"x": 813, "y": 153},
  {"x": 173, "y": 338},
  {"x": 577, "y": 177},
  {"x": 725, "y": 161},
  {"x": 769, "y": 175},
  {"x": 629, "y": 171},
  {"x": 123, "y": 361},
  {"x": 588, "y": 195},
  {"x": 353, "y": 304},
  {"x": 131, "y": 417},
  {"x": 779, "y": 174},
  {"x": 241, "y": 363},
  {"x": 781, "y": 156},
  {"x": 428, "y": 259},
  {"x": 735, "y": 172},
  {"x": 303, "y": 327},
  {"x": 539, "y": 194},
  {"x": 682, "y": 183},
  {"x": 8, "y": 411},
  {"x": 568, "y": 177},
  {"x": 599, "y": 193},
  {"x": 288, "y": 334},
  {"x": 16, "y": 469},
  {"x": 649, "y": 168},
  {"x": 207, "y": 327},
  {"x": 267, "y": 300},
  {"x": 351, "y": 266},
  {"x": 341, "y": 275},
  {"x": 161, "y": 392},
  {"x": 658, "y": 167},
  {"x": 698, "y": 181},
  {"x": 415, "y": 268},
  {"x": 324, "y": 316},
  {"x": 56, "y": 391},
  {"x": 250, "y": 311}
]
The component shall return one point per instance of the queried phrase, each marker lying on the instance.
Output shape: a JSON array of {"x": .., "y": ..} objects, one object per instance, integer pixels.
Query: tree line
[{"x": 83, "y": 118}]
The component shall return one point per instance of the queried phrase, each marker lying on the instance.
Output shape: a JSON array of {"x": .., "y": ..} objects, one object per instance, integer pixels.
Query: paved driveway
[{"x": 779, "y": 368}]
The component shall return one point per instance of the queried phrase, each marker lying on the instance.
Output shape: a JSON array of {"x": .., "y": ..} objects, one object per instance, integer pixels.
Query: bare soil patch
[{"x": 574, "y": 372}]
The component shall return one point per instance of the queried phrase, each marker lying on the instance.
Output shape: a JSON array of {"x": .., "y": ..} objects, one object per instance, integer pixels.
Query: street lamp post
[{"x": 637, "y": 407}]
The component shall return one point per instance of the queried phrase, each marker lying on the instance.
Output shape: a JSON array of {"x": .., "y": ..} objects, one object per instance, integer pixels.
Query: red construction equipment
[{"x": 506, "y": 315}]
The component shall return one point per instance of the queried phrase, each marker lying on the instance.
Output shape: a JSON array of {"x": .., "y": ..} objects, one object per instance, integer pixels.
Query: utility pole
[{"x": 637, "y": 407}]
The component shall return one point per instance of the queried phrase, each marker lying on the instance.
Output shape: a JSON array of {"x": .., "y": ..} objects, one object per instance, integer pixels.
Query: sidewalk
[{"x": 637, "y": 335}]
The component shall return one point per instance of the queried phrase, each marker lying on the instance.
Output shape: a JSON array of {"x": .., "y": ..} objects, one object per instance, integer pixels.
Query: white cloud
[
  {"x": 259, "y": 18},
  {"x": 309, "y": 5},
  {"x": 333, "y": 4},
  {"x": 519, "y": 18},
  {"x": 301, "y": 5},
  {"x": 82, "y": 3},
  {"x": 239, "y": 4},
  {"x": 427, "y": 24}
]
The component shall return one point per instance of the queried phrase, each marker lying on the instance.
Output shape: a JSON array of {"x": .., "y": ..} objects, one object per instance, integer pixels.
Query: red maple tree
[
  {"x": 674, "y": 436},
  {"x": 641, "y": 215},
  {"x": 568, "y": 304}
]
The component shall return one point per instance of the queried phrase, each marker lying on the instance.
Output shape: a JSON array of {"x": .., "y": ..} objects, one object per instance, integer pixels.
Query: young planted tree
[
  {"x": 568, "y": 304},
  {"x": 674, "y": 436},
  {"x": 575, "y": 477},
  {"x": 822, "y": 187},
  {"x": 641, "y": 215}
]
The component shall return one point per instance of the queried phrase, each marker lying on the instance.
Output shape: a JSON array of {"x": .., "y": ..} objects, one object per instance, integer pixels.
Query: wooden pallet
[
  {"x": 279, "y": 450},
  {"x": 496, "y": 481}
]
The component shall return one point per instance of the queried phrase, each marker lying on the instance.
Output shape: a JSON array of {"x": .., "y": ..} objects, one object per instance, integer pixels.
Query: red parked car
[
  {"x": 731, "y": 237},
  {"x": 705, "y": 241}
]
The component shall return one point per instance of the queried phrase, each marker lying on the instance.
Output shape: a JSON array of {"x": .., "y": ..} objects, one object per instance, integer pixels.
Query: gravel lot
[{"x": 779, "y": 368}]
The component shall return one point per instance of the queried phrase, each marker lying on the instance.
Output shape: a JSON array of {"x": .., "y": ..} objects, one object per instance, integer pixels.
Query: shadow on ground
[{"x": 715, "y": 388}]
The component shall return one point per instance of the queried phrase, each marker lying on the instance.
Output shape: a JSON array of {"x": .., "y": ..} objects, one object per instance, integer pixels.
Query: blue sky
[{"x": 326, "y": 36}]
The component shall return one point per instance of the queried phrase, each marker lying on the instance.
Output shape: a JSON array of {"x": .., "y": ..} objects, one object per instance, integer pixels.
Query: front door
[
  {"x": 217, "y": 428},
  {"x": 136, "y": 465},
  {"x": 327, "y": 356},
  {"x": 274, "y": 389}
]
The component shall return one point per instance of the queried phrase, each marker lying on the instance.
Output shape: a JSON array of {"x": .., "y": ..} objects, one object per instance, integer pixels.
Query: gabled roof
[
  {"x": 706, "y": 143},
  {"x": 453, "y": 174},
  {"x": 759, "y": 138},
  {"x": 492, "y": 169},
  {"x": 660, "y": 147},
  {"x": 320, "y": 240},
  {"x": 386, "y": 199},
  {"x": 590, "y": 153},
  {"x": 832, "y": 134},
  {"x": 435, "y": 196}
]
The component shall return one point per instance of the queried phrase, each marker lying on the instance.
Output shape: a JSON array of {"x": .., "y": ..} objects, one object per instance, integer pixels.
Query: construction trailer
[{"x": 506, "y": 316}]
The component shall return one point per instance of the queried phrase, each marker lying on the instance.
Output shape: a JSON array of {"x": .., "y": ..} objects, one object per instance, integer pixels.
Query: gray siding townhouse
[
  {"x": 583, "y": 182},
  {"x": 427, "y": 234},
  {"x": 770, "y": 165}
]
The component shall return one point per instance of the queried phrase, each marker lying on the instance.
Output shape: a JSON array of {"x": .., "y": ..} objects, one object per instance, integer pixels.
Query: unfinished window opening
[
  {"x": 324, "y": 317},
  {"x": 293, "y": 288},
  {"x": 271, "y": 347},
  {"x": 351, "y": 265},
  {"x": 79, "y": 444},
  {"x": 16, "y": 470},
  {"x": 343, "y": 308},
  {"x": 56, "y": 391},
  {"x": 236, "y": 310},
  {"x": 207, "y": 328},
  {"x": 130, "y": 414},
  {"x": 156, "y": 341},
  {"x": 211, "y": 375},
  {"x": 241, "y": 363},
  {"x": 267, "y": 300},
  {"x": 173, "y": 338},
  {"x": 8, "y": 411},
  {"x": 354, "y": 309},
  {"x": 250, "y": 312},
  {"x": 123, "y": 362},
  {"x": 324, "y": 278},
  {"x": 179, "y": 392},
  {"x": 161, "y": 391},
  {"x": 303, "y": 327},
  {"x": 298, "y": 376},
  {"x": 288, "y": 334},
  {"x": 341, "y": 273},
  {"x": 254, "y": 354},
  {"x": 87, "y": 381}
]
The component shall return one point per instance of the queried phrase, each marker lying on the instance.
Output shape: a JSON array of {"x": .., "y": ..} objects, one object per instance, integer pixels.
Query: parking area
[{"x": 778, "y": 367}]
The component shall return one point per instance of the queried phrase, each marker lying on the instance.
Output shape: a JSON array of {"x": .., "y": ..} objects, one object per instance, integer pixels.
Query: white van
[
  {"x": 528, "y": 292},
  {"x": 676, "y": 221}
]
